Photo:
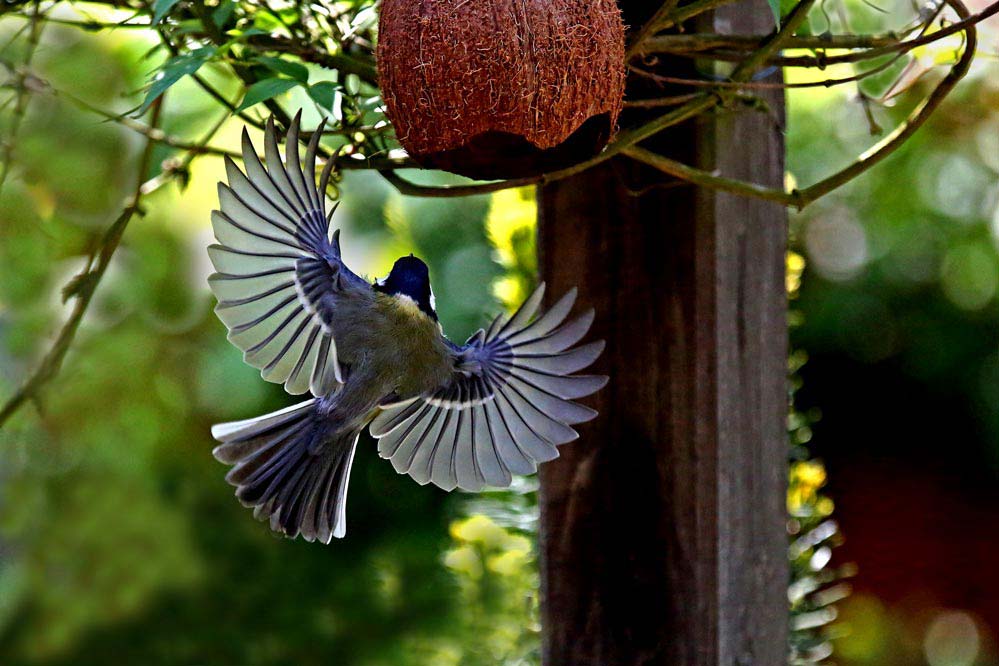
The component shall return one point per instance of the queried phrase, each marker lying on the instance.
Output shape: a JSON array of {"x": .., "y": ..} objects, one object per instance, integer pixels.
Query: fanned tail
[{"x": 293, "y": 467}]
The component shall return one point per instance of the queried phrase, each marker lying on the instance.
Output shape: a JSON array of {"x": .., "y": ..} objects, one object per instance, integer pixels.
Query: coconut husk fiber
[{"x": 501, "y": 88}]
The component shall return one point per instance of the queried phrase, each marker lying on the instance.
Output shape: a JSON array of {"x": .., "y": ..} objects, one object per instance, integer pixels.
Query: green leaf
[
  {"x": 189, "y": 26},
  {"x": 245, "y": 34},
  {"x": 174, "y": 70},
  {"x": 785, "y": 7},
  {"x": 161, "y": 8},
  {"x": 265, "y": 89},
  {"x": 324, "y": 94},
  {"x": 224, "y": 12},
  {"x": 289, "y": 15},
  {"x": 264, "y": 21},
  {"x": 295, "y": 70},
  {"x": 775, "y": 8},
  {"x": 352, "y": 83},
  {"x": 371, "y": 103}
]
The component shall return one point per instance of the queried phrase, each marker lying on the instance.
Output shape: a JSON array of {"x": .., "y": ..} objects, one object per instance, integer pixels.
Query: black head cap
[{"x": 410, "y": 277}]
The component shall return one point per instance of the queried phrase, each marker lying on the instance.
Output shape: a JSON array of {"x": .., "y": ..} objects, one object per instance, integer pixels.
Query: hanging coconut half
[{"x": 501, "y": 88}]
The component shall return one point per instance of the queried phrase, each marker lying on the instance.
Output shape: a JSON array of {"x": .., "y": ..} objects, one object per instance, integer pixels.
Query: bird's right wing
[
  {"x": 279, "y": 276},
  {"x": 507, "y": 405}
]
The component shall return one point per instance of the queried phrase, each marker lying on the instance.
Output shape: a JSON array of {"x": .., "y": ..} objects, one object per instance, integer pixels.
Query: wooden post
[{"x": 662, "y": 528}]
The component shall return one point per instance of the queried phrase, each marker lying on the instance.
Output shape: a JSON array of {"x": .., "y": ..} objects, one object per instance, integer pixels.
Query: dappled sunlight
[{"x": 512, "y": 228}]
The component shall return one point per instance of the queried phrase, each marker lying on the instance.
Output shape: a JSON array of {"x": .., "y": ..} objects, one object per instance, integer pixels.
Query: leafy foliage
[
  {"x": 265, "y": 89},
  {"x": 816, "y": 583},
  {"x": 172, "y": 71}
]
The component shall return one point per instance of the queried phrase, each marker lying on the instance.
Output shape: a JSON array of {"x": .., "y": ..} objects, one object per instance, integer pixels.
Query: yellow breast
[{"x": 419, "y": 355}]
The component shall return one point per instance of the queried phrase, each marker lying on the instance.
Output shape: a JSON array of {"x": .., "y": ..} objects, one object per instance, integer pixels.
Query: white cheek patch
[
  {"x": 408, "y": 305},
  {"x": 433, "y": 300},
  {"x": 407, "y": 300}
]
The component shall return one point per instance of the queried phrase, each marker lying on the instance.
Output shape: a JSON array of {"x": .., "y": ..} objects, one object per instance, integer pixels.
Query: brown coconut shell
[{"x": 501, "y": 88}]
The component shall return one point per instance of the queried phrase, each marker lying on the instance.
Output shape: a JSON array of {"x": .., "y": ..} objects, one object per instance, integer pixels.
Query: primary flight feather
[{"x": 372, "y": 354}]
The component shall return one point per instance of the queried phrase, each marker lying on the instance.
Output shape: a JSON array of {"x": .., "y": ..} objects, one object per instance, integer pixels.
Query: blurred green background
[{"x": 120, "y": 541}]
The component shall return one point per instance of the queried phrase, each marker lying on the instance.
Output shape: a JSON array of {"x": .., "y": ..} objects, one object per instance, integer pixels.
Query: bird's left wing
[
  {"x": 279, "y": 276},
  {"x": 506, "y": 406}
]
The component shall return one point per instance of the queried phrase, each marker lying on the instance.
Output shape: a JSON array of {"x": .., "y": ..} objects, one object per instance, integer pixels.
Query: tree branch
[
  {"x": 82, "y": 288},
  {"x": 916, "y": 119},
  {"x": 21, "y": 95},
  {"x": 696, "y": 43},
  {"x": 766, "y": 85},
  {"x": 774, "y": 43},
  {"x": 751, "y": 52},
  {"x": 651, "y": 26},
  {"x": 698, "y": 104},
  {"x": 714, "y": 181},
  {"x": 874, "y": 46},
  {"x": 689, "y": 11},
  {"x": 151, "y": 133},
  {"x": 338, "y": 61},
  {"x": 877, "y": 153}
]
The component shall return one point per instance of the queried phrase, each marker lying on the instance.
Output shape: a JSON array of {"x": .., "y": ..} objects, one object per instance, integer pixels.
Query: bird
[{"x": 372, "y": 354}]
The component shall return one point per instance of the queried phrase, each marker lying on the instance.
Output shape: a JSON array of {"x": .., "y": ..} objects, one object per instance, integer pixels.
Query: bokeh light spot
[
  {"x": 951, "y": 640},
  {"x": 837, "y": 246},
  {"x": 969, "y": 276}
]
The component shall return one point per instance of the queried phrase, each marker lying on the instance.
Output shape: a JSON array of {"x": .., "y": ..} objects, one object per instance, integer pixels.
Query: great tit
[{"x": 372, "y": 354}]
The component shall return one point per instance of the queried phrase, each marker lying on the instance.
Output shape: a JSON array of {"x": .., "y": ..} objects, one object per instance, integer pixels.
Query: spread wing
[
  {"x": 279, "y": 274},
  {"x": 505, "y": 408}
]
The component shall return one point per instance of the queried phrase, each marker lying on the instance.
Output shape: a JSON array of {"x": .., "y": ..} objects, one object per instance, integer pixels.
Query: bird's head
[{"x": 410, "y": 278}]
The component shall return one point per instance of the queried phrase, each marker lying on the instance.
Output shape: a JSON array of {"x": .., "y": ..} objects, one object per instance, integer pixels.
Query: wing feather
[
  {"x": 509, "y": 451},
  {"x": 279, "y": 277},
  {"x": 534, "y": 445},
  {"x": 442, "y": 462},
  {"x": 493, "y": 470},
  {"x": 468, "y": 470},
  {"x": 228, "y": 261},
  {"x": 255, "y": 196},
  {"x": 255, "y": 218},
  {"x": 507, "y": 406}
]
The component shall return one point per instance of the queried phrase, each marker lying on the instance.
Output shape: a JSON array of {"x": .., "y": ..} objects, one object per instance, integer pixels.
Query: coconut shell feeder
[{"x": 501, "y": 88}]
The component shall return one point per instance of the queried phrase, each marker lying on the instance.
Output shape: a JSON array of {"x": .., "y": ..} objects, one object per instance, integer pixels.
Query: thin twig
[
  {"x": 774, "y": 43},
  {"x": 652, "y": 26},
  {"x": 310, "y": 53},
  {"x": 22, "y": 94},
  {"x": 152, "y": 133},
  {"x": 412, "y": 189},
  {"x": 88, "y": 25},
  {"x": 697, "y": 105},
  {"x": 83, "y": 288},
  {"x": 766, "y": 85},
  {"x": 919, "y": 116},
  {"x": 242, "y": 71},
  {"x": 689, "y": 11},
  {"x": 696, "y": 43},
  {"x": 877, "y": 153},
  {"x": 659, "y": 102},
  {"x": 873, "y": 46},
  {"x": 714, "y": 181},
  {"x": 207, "y": 87}
]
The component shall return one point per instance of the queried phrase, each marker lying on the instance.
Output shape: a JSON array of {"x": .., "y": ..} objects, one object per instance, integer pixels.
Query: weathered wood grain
[{"x": 662, "y": 536}]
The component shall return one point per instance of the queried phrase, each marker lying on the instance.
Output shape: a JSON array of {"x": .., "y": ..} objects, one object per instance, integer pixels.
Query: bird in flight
[{"x": 372, "y": 355}]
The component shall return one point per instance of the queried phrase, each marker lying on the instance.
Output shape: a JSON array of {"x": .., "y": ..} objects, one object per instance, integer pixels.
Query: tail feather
[{"x": 293, "y": 468}]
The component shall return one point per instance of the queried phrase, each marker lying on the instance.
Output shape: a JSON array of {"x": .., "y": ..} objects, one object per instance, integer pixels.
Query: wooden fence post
[{"x": 662, "y": 528}]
